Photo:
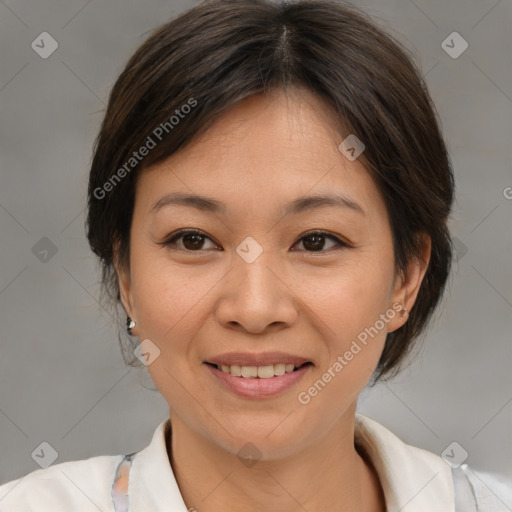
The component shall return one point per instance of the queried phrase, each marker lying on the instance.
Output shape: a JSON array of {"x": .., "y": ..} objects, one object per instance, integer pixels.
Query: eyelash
[{"x": 168, "y": 242}]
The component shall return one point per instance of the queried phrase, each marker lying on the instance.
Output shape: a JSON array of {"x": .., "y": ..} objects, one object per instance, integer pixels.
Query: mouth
[
  {"x": 259, "y": 372},
  {"x": 258, "y": 382}
]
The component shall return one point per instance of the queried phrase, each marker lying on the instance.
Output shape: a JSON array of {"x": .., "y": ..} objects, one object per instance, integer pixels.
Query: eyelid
[
  {"x": 184, "y": 231},
  {"x": 341, "y": 243},
  {"x": 327, "y": 234}
]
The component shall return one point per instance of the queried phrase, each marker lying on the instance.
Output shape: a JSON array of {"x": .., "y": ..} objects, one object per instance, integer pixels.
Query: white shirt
[{"x": 413, "y": 480}]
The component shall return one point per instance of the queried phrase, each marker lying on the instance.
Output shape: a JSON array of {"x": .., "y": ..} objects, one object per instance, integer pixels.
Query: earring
[
  {"x": 130, "y": 324},
  {"x": 404, "y": 312}
]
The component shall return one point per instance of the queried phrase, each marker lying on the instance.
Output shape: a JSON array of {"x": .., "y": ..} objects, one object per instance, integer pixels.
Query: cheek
[
  {"x": 166, "y": 298},
  {"x": 350, "y": 322},
  {"x": 169, "y": 302},
  {"x": 352, "y": 313},
  {"x": 173, "y": 303},
  {"x": 350, "y": 298}
]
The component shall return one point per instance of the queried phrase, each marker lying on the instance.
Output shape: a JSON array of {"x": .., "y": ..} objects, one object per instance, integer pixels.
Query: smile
[
  {"x": 261, "y": 372},
  {"x": 258, "y": 381}
]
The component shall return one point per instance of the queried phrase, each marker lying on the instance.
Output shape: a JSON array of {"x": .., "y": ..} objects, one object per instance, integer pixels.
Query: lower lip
[{"x": 256, "y": 387}]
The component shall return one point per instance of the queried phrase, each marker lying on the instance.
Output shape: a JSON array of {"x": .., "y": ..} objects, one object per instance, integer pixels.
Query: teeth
[
  {"x": 263, "y": 372},
  {"x": 235, "y": 370},
  {"x": 249, "y": 371},
  {"x": 279, "y": 369}
]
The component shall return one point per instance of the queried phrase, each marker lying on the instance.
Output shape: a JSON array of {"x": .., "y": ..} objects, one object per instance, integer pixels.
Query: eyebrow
[{"x": 210, "y": 205}]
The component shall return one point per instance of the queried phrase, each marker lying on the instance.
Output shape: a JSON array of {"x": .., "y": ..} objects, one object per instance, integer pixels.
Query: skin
[{"x": 194, "y": 304}]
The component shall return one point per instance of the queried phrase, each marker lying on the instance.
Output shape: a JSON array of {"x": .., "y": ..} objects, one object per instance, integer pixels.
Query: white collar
[
  {"x": 413, "y": 479},
  {"x": 153, "y": 485}
]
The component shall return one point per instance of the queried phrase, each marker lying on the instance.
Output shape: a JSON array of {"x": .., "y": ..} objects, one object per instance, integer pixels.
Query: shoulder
[
  {"x": 492, "y": 491},
  {"x": 404, "y": 468},
  {"x": 83, "y": 485}
]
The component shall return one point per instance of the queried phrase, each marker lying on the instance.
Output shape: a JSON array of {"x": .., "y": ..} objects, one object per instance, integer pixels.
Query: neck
[{"x": 335, "y": 477}]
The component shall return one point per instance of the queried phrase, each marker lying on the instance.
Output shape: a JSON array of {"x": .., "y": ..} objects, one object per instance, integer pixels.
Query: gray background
[{"x": 62, "y": 378}]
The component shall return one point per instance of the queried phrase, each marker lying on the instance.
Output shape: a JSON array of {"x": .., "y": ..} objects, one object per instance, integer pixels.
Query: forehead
[{"x": 266, "y": 149}]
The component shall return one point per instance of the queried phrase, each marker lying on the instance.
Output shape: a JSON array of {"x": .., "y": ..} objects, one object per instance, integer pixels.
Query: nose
[{"x": 255, "y": 297}]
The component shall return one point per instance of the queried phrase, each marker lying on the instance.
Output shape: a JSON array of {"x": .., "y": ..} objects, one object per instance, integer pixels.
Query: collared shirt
[{"x": 413, "y": 480}]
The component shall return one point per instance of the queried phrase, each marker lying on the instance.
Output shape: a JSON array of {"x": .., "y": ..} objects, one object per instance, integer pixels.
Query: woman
[{"x": 268, "y": 198}]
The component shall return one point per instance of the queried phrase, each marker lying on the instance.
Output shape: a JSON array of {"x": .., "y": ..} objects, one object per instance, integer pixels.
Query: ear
[
  {"x": 124, "y": 281},
  {"x": 407, "y": 285}
]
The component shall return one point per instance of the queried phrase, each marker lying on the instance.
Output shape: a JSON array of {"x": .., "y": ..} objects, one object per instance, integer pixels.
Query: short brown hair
[{"x": 222, "y": 51}]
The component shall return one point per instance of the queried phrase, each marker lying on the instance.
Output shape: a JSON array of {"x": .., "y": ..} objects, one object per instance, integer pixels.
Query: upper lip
[{"x": 263, "y": 359}]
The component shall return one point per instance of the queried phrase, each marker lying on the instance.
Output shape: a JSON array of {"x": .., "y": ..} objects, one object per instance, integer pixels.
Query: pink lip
[
  {"x": 263, "y": 359},
  {"x": 256, "y": 387}
]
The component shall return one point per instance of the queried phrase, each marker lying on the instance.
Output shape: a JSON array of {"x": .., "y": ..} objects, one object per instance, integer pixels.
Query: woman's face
[{"x": 256, "y": 281}]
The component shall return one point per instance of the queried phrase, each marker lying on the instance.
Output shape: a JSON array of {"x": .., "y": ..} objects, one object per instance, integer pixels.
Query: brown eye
[
  {"x": 315, "y": 242},
  {"x": 191, "y": 240}
]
